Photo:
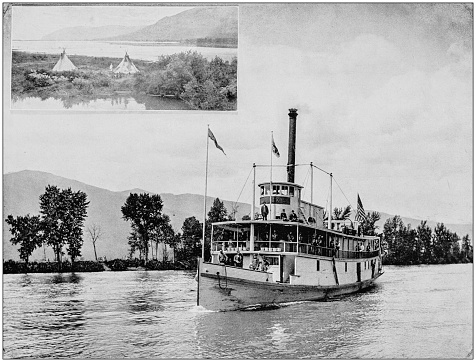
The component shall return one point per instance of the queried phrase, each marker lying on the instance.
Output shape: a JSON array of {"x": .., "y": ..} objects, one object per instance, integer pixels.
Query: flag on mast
[
  {"x": 274, "y": 149},
  {"x": 360, "y": 210},
  {"x": 212, "y": 137}
]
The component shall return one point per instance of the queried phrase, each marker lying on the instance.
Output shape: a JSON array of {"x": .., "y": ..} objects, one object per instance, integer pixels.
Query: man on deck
[{"x": 264, "y": 211}]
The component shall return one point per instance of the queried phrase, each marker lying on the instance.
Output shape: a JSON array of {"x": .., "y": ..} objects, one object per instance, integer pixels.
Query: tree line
[
  {"x": 407, "y": 246},
  {"x": 60, "y": 226},
  {"x": 424, "y": 245},
  {"x": 61, "y": 222}
]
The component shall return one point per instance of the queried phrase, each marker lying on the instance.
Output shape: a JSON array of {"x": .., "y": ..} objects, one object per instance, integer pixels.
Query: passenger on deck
[
  {"x": 264, "y": 264},
  {"x": 274, "y": 236},
  {"x": 264, "y": 211},
  {"x": 254, "y": 262},
  {"x": 293, "y": 216},
  {"x": 222, "y": 258},
  {"x": 361, "y": 247},
  {"x": 337, "y": 247},
  {"x": 290, "y": 237},
  {"x": 284, "y": 217},
  {"x": 238, "y": 259},
  {"x": 368, "y": 247}
]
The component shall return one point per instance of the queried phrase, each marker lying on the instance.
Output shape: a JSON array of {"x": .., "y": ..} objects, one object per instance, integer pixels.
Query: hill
[
  {"x": 217, "y": 22},
  {"x": 82, "y": 33},
  {"x": 21, "y": 192},
  {"x": 204, "y": 22}
]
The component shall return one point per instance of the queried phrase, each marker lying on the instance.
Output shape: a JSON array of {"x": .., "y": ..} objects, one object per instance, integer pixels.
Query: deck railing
[{"x": 293, "y": 247}]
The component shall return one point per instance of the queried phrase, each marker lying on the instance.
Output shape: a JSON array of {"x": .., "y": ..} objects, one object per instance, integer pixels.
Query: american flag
[
  {"x": 274, "y": 149},
  {"x": 360, "y": 210},
  {"x": 212, "y": 137}
]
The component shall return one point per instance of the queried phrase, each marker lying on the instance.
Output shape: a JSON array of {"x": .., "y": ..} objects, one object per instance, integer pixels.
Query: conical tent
[
  {"x": 63, "y": 63},
  {"x": 126, "y": 66}
]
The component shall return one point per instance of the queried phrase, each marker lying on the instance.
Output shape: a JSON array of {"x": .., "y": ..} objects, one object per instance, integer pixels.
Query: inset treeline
[{"x": 189, "y": 76}]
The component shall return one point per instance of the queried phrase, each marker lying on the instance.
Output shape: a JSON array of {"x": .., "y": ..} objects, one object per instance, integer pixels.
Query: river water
[
  {"x": 423, "y": 312},
  {"x": 136, "y": 50}
]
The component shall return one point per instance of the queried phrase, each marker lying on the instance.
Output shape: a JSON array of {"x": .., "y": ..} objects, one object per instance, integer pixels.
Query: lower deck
[
  {"x": 224, "y": 288},
  {"x": 299, "y": 269}
]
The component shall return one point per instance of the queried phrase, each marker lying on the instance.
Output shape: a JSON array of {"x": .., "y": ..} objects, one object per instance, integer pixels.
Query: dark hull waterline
[{"x": 221, "y": 293}]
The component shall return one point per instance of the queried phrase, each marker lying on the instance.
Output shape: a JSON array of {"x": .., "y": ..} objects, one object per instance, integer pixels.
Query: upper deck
[{"x": 286, "y": 237}]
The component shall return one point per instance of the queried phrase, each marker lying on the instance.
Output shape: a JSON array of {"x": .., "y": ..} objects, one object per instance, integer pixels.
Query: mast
[
  {"x": 205, "y": 198},
  {"x": 254, "y": 192},
  {"x": 271, "y": 174},
  {"x": 312, "y": 183},
  {"x": 329, "y": 225}
]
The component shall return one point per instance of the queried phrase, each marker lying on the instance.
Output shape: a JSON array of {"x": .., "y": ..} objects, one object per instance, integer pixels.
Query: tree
[
  {"x": 442, "y": 241},
  {"x": 164, "y": 233},
  {"x": 424, "y": 236},
  {"x": 63, "y": 213},
  {"x": 26, "y": 231},
  {"x": 217, "y": 213},
  {"x": 191, "y": 235},
  {"x": 135, "y": 243},
  {"x": 466, "y": 247},
  {"x": 342, "y": 213},
  {"x": 368, "y": 225},
  {"x": 144, "y": 211},
  {"x": 95, "y": 232}
]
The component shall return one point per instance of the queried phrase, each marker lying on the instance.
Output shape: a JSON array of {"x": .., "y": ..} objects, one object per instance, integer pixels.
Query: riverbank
[
  {"x": 17, "y": 267},
  {"x": 187, "y": 77}
]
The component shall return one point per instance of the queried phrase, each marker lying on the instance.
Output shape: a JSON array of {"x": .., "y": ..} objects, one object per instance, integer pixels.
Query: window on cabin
[
  {"x": 275, "y": 189},
  {"x": 346, "y": 267},
  {"x": 266, "y": 189},
  {"x": 284, "y": 190},
  {"x": 273, "y": 260},
  {"x": 317, "y": 265},
  {"x": 291, "y": 190}
]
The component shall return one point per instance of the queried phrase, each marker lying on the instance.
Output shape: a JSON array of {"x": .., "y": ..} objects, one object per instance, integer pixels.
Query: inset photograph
[{"x": 124, "y": 57}]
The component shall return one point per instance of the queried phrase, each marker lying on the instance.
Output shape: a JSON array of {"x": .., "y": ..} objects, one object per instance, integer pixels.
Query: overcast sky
[{"x": 384, "y": 97}]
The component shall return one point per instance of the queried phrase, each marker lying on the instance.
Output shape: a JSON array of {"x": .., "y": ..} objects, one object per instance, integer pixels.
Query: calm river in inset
[{"x": 417, "y": 312}]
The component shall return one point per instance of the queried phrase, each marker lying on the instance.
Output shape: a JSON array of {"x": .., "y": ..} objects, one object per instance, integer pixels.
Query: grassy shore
[
  {"x": 18, "y": 267},
  {"x": 170, "y": 76},
  {"x": 32, "y": 76}
]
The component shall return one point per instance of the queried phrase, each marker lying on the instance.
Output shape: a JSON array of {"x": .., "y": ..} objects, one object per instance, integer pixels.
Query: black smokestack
[{"x": 292, "y": 144}]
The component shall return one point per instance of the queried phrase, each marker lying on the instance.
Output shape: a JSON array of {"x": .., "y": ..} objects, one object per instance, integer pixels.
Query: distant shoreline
[{"x": 199, "y": 43}]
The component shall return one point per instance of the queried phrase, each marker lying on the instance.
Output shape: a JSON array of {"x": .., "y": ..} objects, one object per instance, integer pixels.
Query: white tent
[
  {"x": 126, "y": 66},
  {"x": 63, "y": 63}
]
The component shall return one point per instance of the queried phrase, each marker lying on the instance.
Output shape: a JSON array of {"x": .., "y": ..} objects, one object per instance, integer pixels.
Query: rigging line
[
  {"x": 243, "y": 187},
  {"x": 305, "y": 179},
  {"x": 320, "y": 169},
  {"x": 344, "y": 194}
]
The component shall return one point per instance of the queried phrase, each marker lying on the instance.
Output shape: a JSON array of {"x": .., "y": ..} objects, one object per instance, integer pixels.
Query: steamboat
[{"x": 287, "y": 252}]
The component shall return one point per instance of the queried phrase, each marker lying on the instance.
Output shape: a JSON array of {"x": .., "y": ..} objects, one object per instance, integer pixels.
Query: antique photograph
[
  {"x": 122, "y": 57},
  {"x": 166, "y": 196}
]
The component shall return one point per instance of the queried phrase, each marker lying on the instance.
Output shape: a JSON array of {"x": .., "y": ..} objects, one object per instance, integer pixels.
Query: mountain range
[
  {"x": 21, "y": 192},
  {"x": 213, "y": 22},
  {"x": 81, "y": 33}
]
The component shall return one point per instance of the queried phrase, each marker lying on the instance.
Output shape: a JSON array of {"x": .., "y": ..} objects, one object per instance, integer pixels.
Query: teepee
[
  {"x": 63, "y": 63},
  {"x": 126, "y": 66}
]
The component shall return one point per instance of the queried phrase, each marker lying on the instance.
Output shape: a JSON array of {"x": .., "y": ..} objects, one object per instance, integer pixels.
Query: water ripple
[{"x": 152, "y": 315}]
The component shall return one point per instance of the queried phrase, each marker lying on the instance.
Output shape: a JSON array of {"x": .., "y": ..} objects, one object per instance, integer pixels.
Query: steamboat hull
[{"x": 220, "y": 292}]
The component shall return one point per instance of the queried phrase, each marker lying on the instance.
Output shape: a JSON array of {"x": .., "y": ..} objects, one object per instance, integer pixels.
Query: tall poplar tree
[
  {"x": 26, "y": 231},
  {"x": 63, "y": 213}
]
